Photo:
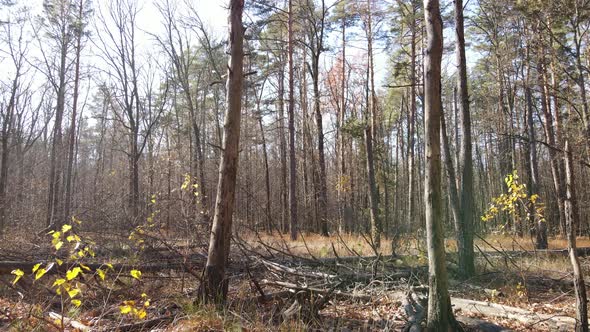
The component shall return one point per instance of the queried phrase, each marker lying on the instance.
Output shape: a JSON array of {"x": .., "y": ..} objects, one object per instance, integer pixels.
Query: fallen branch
[
  {"x": 337, "y": 294},
  {"x": 68, "y": 322}
]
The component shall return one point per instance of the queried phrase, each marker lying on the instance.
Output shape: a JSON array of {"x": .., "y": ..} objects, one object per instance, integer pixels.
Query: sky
[{"x": 214, "y": 15}]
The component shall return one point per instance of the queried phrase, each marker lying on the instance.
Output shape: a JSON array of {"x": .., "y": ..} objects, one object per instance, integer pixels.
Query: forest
[{"x": 294, "y": 165}]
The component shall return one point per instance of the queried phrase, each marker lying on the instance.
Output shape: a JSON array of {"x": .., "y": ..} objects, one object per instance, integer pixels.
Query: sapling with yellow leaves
[
  {"x": 515, "y": 201},
  {"x": 70, "y": 253}
]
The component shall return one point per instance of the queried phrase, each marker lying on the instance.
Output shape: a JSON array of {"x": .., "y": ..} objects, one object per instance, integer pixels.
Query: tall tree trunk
[
  {"x": 581, "y": 79},
  {"x": 268, "y": 216},
  {"x": 54, "y": 192},
  {"x": 467, "y": 215},
  {"x": 7, "y": 124},
  {"x": 292, "y": 162},
  {"x": 571, "y": 212},
  {"x": 322, "y": 184},
  {"x": 558, "y": 136},
  {"x": 541, "y": 225},
  {"x": 440, "y": 314},
  {"x": 283, "y": 150},
  {"x": 342, "y": 183},
  {"x": 214, "y": 283},
  {"x": 370, "y": 134},
  {"x": 451, "y": 176},
  {"x": 72, "y": 139},
  {"x": 412, "y": 125}
]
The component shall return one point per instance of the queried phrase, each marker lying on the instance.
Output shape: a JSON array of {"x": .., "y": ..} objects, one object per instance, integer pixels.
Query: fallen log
[
  {"x": 494, "y": 310},
  {"x": 556, "y": 322},
  {"x": 58, "y": 319}
]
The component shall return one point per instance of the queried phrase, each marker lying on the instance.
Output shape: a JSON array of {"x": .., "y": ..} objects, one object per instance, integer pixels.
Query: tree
[
  {"x": 118, "y": 47},
  {"x": 17, "y": 50},
  {"x": 467, "y": 213},
  {"x": 177, "y": 46},
  {"x": 370, "y": 134},
  {"x": 316, "y": 24},
  {"x": 440, "y": 314},
  {"x": 292, "y": 162},
  {"x": 79, "y": 32},
  {"x": 59, "y": 15},
  {"x": 214, "y": 284},
  {"x": 571, "y": 212}
]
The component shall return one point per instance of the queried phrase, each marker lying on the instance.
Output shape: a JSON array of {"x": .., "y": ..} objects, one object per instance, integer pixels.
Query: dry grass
[
  {"x": 311, "y": 244},
  {"x": 507, "y": 242},
  {"x": 320, "y": 246}
]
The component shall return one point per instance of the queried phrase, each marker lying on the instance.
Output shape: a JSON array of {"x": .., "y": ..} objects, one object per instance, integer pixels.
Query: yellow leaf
[
  {"x": 84, "y": 267},
  {"x": 36, "y": 267},
  {"x": 40, "y": 273},
  {"x": 65, "y": 228},
  {"x": 141, "y": 314},
  {"x": 18, "y": 274},
  {"x": 146, "y": 303},
  {"x": 135, "y": 274},
  {"x": 109, "y": 265},
  {"x": 55, "y": 235},
  {"x": 58, "y": 282},
  {"x": 73, "y": 292},
  {"x": 59, "y": 261},
  {"x": 73, "y": 273},
  {"x": 76, "y": 302},
  {"x": 101, "y": 274},
  {"x": 58, "y": 245},
  {"x": 125, "y": 309}
]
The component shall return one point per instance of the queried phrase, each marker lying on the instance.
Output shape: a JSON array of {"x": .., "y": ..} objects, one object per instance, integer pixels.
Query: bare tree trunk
[
  {"x": 440, "y": 314},
  {"x": 451, "y": 176},
  {"x": 293, "y": 226},
  {"x": 283, "y": 151},
  {"x": 342, "y": 187},
  {"x": 322, "y": 185},
  {"x": 571, "y": 212},
  {"x": 7, "y": 124},
  {"x": 72, "y": 142},
  {"x": 412, "y": 126},
  {"x": 550, "y": 138},
  {"x": 214, "y": 283},
  {"x": 370, "y": 133},
  {"x": 53, "y": 218},
  {"x": 268, "y": 216},
  {"x": 467, "y": 215}
]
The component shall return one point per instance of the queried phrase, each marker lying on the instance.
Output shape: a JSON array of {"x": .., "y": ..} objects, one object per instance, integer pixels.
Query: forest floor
[{"x": 315, "y": 283}]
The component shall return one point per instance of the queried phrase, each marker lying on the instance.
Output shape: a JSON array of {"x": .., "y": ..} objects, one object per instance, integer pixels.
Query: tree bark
[
  {"x": 293, "y": 226},
  {"x": 467, "y": 215},
  {"x": 451, "y": 176},
  {"x": 370, "y": 133},
  {"x": 571, "y": 213},
  {"x": 72, "y": 138},
  {"x": 54, "y": 192},
  {"x": 412, "y": 125},
  {"x": 440, "y": 314},
  {"x": 214, "y": 284}
]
